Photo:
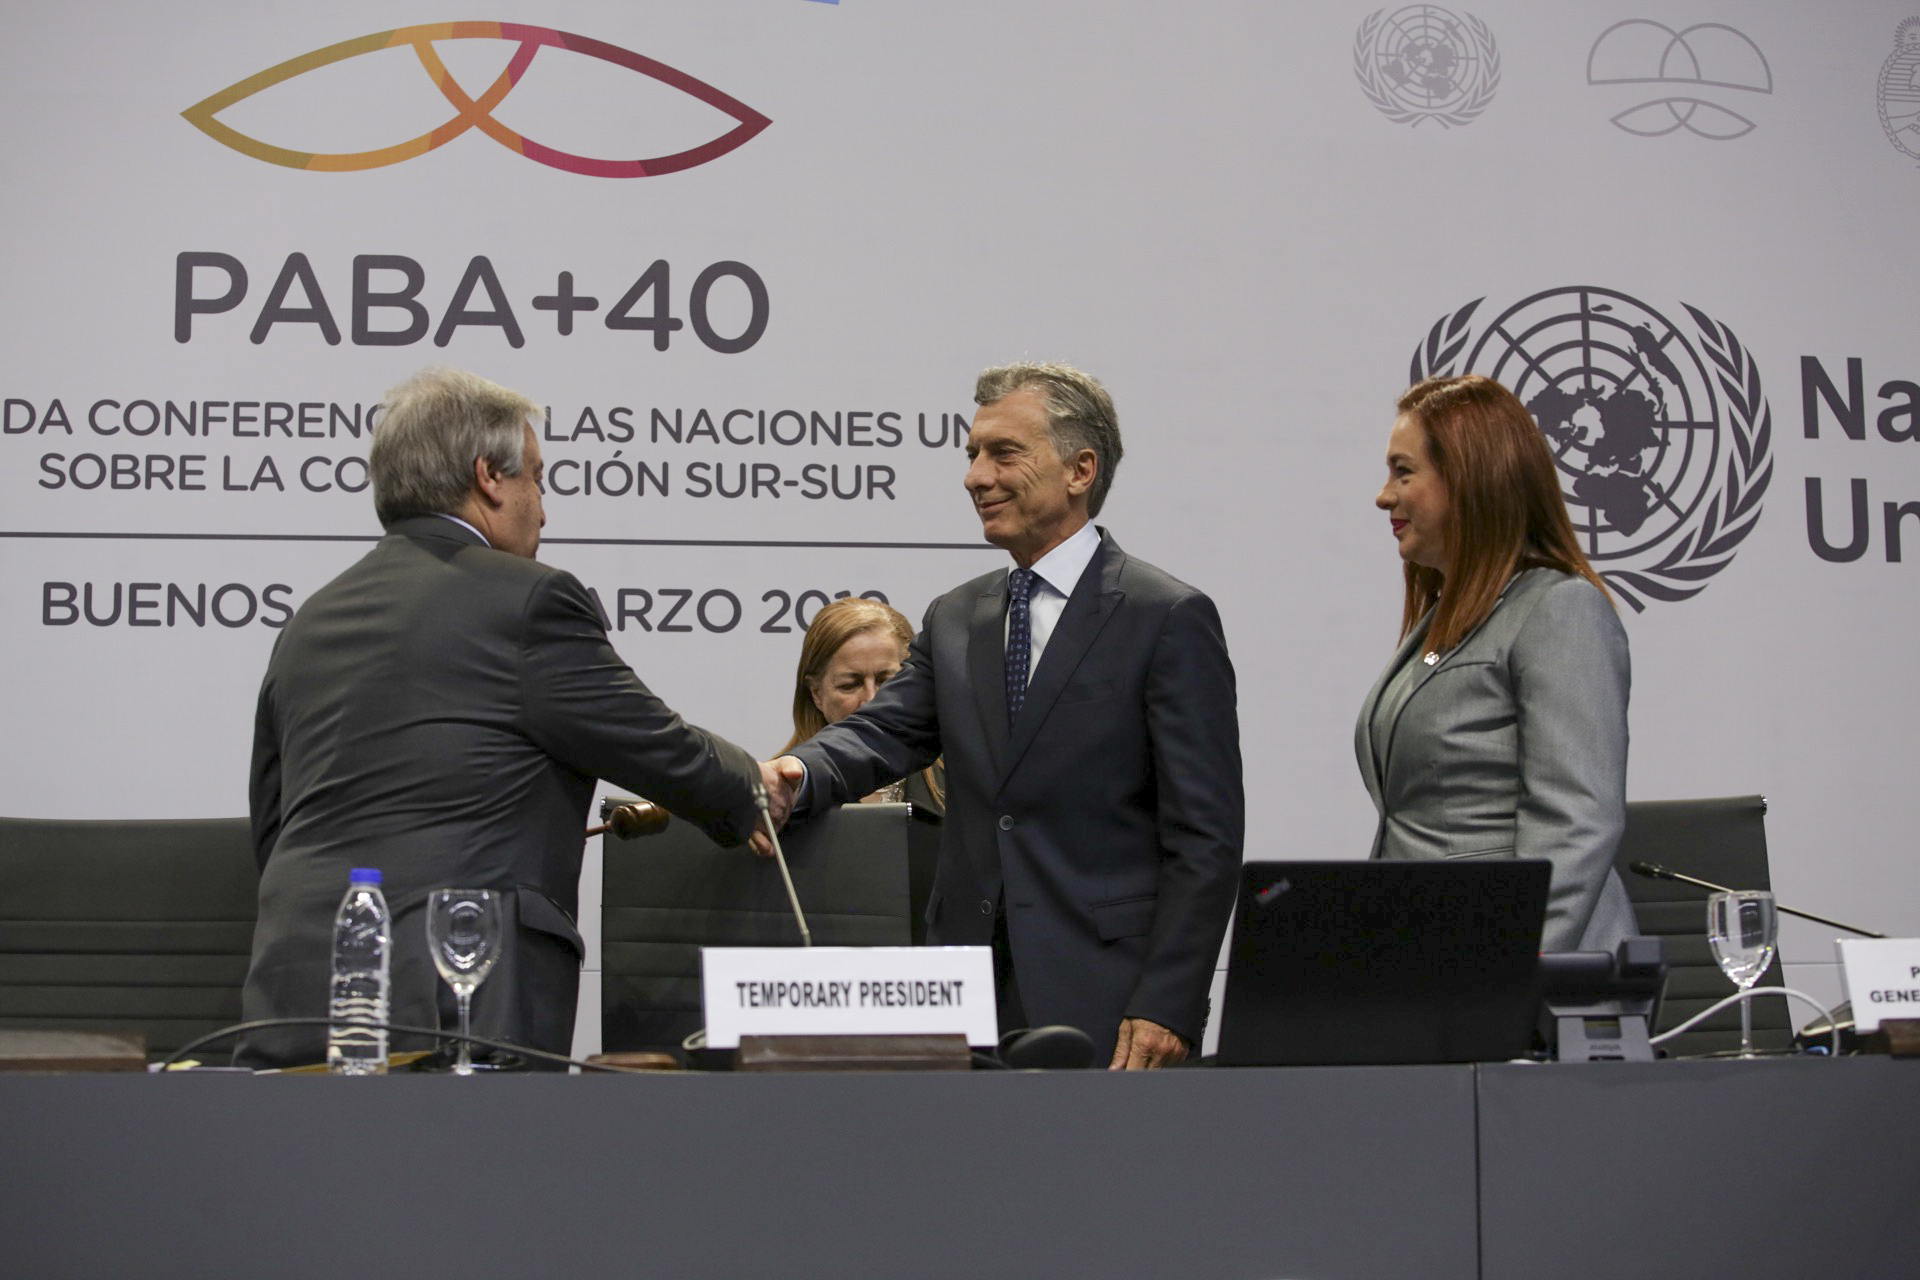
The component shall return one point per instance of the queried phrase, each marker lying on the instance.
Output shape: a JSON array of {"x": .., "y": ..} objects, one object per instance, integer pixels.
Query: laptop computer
[{"x": 1383, "y": 962}]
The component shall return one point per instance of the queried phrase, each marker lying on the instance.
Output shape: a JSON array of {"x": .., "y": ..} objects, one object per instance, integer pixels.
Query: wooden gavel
[{"x": 632, "y": 820}]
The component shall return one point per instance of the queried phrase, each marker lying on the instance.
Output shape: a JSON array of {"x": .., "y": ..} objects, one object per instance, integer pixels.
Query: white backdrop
[{"x": 1247, "y": 217}]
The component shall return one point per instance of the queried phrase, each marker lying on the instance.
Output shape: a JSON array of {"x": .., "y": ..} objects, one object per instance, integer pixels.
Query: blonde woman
[{"x": 854, "y": 646}]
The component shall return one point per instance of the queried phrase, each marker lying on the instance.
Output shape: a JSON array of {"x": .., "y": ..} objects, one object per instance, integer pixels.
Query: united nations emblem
[
  {"x": 1900, "y": 90},
  {"x": 1423, "y": 63},
  {"x": 1663, "y": 436}
]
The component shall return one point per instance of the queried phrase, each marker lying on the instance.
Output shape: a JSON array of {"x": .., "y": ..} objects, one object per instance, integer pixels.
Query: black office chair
[
  {"x": 142, "y": 925},
  {"x": 1723, "y": 840},
  {"x": 665, "y": 896}
]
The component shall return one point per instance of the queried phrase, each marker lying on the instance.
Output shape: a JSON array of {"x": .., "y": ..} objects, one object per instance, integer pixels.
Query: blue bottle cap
[{"x": 363, "y": 875}]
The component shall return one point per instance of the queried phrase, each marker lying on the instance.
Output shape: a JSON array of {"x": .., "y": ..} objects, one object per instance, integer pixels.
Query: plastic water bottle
[{"x": 362, "y": 972}]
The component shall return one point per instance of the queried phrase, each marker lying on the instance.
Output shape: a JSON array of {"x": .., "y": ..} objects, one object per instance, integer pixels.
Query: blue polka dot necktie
[{"x": 1019, "y": 638}]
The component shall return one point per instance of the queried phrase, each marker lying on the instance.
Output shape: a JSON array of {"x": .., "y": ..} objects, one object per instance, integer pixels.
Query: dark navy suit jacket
[{"x": 1108, "y": 818}]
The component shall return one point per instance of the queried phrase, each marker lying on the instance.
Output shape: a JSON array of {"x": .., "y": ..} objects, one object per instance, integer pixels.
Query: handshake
[{"x": 781, "y": 779}]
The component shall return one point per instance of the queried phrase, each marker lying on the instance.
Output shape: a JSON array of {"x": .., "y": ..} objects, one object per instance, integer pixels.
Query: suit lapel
[
  {"x": 1093, "y": 601},
  {"x": 1373, "y": 769},
  {"x": 1447, "y": 659},
  {"x": 987, "y": 667},
  {"x": 1427, "y": 673}
]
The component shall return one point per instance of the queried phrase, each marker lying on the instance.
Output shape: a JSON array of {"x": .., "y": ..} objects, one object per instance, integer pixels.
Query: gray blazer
[{"x": 1514, "y": 745}]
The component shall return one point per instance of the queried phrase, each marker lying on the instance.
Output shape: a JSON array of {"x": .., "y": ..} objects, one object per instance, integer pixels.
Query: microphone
[
  {"x": 780, "y": 857},
  {"x": 1654, "y": 871},
  {"x": 1050, "y": 1048}
]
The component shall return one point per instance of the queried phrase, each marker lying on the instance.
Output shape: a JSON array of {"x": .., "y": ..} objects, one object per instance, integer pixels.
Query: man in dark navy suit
[{"x": 1084, "y": 703}]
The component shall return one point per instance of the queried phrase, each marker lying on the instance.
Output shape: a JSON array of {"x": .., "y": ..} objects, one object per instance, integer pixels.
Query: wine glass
[
  {"x": 463, "y": 933},
  {"x": 1742, "y": 927}
]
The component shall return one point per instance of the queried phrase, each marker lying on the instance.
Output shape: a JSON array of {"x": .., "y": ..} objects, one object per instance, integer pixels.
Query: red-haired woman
[{"x": 1499, "y": 729}]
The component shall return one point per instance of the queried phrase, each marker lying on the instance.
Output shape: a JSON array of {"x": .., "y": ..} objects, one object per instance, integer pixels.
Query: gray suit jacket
[
  {"x": 440, "y": 711},
  {"x": 1108, "y": 818},
  {"x": 1515, "y": 746}
]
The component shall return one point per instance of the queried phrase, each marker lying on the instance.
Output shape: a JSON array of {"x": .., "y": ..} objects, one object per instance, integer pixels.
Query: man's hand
[
  {"x": 781, "y": 778},
  {"x": 1145, "y": 1045}
]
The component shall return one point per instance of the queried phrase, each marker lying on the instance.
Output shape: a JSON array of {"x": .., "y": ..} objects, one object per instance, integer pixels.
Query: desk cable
[
  {"x": 375, "y": 1024},
  {"x": 1833, "y": 1028}
]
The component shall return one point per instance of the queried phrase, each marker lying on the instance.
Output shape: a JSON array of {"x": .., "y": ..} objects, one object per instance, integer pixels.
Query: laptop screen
[{"x": 1383, "y": 962}]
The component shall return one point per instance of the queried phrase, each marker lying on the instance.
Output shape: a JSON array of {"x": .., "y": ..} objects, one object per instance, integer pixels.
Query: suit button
[
  {"x": 1006, "y": 822},
  {"x": 986, "y": 906}
]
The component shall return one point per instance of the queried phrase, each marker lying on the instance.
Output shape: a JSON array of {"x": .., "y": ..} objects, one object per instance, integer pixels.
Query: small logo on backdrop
[
  {"x": 1899, "y": 96},
  {"x": 1423, "y": 63},
  {"x": 475, "y": 111},
  {"x": 1662, "y": 434},
  {"x": 1685, "y": 63}
]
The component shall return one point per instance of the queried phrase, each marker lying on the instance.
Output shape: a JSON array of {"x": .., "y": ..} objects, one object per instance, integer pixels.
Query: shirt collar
[
  {"x": 464, "y": 525},
  {"x": 1061, "y": 567}
]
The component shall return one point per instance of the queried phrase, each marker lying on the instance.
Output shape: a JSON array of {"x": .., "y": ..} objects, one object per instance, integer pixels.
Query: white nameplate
[
  {"x": 1882, "y": 977},
  {"x": 848, "y": 991}
]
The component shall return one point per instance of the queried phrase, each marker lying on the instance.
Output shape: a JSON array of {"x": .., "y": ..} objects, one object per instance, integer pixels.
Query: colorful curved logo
[{"x": 471, "y": 112}]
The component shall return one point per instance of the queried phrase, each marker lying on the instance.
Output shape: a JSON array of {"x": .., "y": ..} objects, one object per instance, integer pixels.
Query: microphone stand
[
  {"x": 1654, "y": 871},
  {"x": 780, "y": 856},
  {"x": 639, "y": 818}
]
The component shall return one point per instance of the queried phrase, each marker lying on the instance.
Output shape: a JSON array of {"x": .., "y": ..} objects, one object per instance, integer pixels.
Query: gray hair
[
  {"x": 432, "y": 429},
  {"x": 1079, "y": 414}
]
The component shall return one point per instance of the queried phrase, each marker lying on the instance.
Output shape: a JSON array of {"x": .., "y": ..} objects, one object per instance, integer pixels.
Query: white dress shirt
[
  {"x": 464, "y": 525},
  {"x": 1055, "y": 576}
]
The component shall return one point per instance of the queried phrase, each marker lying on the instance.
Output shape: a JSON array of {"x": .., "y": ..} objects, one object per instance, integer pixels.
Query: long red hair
[{"x": 1507, "y": 512}]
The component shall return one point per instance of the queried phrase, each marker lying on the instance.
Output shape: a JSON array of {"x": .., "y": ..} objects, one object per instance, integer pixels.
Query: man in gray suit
[
  {"x": 1084, "y": 703},
  {"x": 440, "y": 711}
]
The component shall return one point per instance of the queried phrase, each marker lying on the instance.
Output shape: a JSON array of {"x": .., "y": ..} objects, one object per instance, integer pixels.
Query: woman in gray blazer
[{"x": 1499, "y": 729}]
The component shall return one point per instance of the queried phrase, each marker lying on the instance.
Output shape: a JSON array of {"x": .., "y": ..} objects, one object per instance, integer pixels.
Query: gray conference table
[
  {"x": 1431, "y": 1172},
  {"x": 1795, "y": 1167}
]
